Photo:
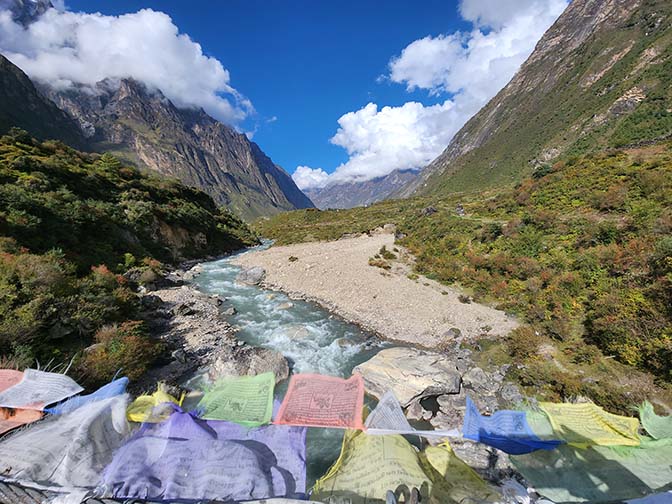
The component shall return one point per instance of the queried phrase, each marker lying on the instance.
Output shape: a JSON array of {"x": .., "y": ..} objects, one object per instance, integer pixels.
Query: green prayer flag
[
  {"x": 658, "y": 427},
  {"x": 246, "y": 400},
  {"x": 599, "y": 473}
]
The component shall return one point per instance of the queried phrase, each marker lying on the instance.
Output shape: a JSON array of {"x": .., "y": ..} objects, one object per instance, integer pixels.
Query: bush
[
  {"x": 523, "y": 342},
  {"x": 124, "y": 347}
]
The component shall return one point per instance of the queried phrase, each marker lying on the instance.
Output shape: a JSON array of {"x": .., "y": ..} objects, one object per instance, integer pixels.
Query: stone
[
  {"x": 459, "y": 210},
  {"x": 389, "y": 228},
  {"x": 150, "y": 302},
  {"x": 296, "y": 331},
  {"x": 185, "y": 309},
  {"x": 229, "y": 311},
  {"x": 249, "y": 361},
  {"x": 410, "y": 373},
  {"x": 427, "y": 211},
  {"x": 251, "y": 276},
  {"x": 453, "y": 333},
  {"x": 476, "y": 379},
  {"x": 285, "y": 306},
  {"x": 511, "y": 394},
  {"x": 179, "y": 355}
]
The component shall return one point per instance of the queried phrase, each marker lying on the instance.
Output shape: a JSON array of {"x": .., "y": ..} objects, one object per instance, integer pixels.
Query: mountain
[
  {"x": 353, "y": 194},
  {"x": 25, "y": 11},
  {"x": 142, "y": 126},
  {"x": 599, "y": 78},
  {"x": 22, "y": 105}
]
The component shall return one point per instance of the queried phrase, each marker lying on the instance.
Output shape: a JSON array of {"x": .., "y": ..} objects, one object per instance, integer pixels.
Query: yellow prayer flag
[
  {"x": 453, "y": 481},
  {"x": 144, "y": 408},
  {"x": 587, "y": 424},
  {"x": 369, "y": 466}
]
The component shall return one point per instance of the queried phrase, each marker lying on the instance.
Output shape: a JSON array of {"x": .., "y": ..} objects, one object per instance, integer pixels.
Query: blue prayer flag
[
  {"x": 506, "y": 430},
  {"x": 114, "y": 388}
]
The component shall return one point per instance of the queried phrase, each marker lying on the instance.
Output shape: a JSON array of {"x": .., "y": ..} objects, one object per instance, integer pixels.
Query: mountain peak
[{"x": 25, "y": 12}]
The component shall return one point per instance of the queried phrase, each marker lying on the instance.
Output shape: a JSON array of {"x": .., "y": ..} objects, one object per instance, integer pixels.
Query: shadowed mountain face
[
  {"x": 353, "y": 194},
  {"x": 21, "y": 105},
  {"x": 599, "y": 78},
  {"x": 142, "y": 126}
]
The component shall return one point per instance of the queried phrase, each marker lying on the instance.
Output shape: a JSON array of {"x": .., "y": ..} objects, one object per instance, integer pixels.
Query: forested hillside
[
  {"x": 581, "y": 252},
  {"x": 71, "y": 225}
]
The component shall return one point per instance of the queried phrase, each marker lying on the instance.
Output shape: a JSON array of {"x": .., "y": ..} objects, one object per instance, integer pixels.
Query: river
[{"x": 311, "y": 338}]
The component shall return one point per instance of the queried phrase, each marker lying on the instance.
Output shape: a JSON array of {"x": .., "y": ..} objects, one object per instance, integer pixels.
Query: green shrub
[{"x": 124, "y": 347}]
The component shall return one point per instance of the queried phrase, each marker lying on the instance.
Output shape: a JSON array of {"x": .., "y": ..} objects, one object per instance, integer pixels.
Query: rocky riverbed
[
  {"x": 431, "y": 385},
  {"x": 194, "y": 328}
]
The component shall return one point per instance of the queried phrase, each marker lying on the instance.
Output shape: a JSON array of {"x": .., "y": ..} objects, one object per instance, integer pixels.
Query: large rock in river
[
  {"x": 247, "y": 360},
  {"x": 410, "y": 373},
  {"x": 251, "y": 276}
]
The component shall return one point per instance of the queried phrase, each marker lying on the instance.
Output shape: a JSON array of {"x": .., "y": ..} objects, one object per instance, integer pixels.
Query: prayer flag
[
  {"x": 38, "y": 389},
  {"x": 152, "y": 408},
  {"x": 188, "y": 458},
  {"x": 67, "y": 451},
  {"x": 599, "y": 473},
  {"x": 247, "y": 400},
  {"x": 506, "y": 430},
  {"x": 453, "y": 480},
  {"x": 658, "y": 427},
  {"x": 587, "y": 424},
  {"x": 368, "y": 467},
  {"x": 11, "y": 418},
  {"x": 114, "y": 388},
  {"x": 323, "y": 401},
  {"x": 9, "y": 378},
  {"x": 389, "y": 418}
]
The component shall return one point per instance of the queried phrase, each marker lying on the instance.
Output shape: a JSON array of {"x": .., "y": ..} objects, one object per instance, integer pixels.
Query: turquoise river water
[{"x": 312, "y": 339}]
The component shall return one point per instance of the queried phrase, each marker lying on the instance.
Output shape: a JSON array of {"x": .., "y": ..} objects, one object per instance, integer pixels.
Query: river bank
[{"x": 390, "y": 301}]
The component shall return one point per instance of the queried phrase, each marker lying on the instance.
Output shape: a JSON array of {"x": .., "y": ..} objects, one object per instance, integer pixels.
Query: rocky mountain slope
[
  {"x": 353, "y": 194},
  {"x": 599, "y": 78},
  {"x": 21, "y": 105},
  {"x": 143, "y": 127}
]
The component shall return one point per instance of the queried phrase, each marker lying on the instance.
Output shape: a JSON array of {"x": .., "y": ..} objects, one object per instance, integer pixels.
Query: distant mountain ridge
[
  {"x": 142, "y": 126},
  {"x": 600, "y": 77},
  {"x": 353, "y": 194}
]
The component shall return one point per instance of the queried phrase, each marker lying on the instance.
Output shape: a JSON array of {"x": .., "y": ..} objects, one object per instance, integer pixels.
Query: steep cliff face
[
  {"x": 600, "y": 77},
  {"x": 22, "y": 106},
  {"x": 143, "y": 127},
  {"x": 354, "y": 194}
]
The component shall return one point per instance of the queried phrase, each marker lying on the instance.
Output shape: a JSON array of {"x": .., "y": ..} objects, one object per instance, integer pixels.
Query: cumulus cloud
[
  {"x": 62, "y": 48},
  {"x": 468, "y": 67},
  {"x": 306, "y": 177},
  {"x": 479, "y": 63}
]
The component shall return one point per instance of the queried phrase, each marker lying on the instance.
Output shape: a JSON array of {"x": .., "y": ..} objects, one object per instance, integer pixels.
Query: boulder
[
  {"x": 427, "y": 211},
  {"x": 410, "y": 373},
  {"x": 150, "y": 302},
  {"x": 229, "y": 311},
  {"x": 246, "y": 360},
  {"x": 251, "y": 276},
  {"x": 296, "y": 331},
  {"x": 285, "y": 306}
]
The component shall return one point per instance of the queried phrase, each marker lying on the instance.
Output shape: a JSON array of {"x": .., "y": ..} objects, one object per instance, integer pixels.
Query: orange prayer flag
[
  {"x": 323, "y": 401},
  {"x": 11, "y": 418}
]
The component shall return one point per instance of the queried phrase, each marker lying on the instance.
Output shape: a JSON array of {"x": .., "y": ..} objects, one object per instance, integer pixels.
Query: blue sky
[
  {"x": 304, "y": 62},
  {"x": 332, "y": 91}
]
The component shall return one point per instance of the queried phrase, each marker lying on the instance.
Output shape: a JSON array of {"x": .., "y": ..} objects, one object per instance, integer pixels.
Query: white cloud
[
  {"x": 306, "y": 177},
  {"x": 479, "y": 63},
  {"x": 60, "y": 48},
  {"x": 470, "y": 67}
]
